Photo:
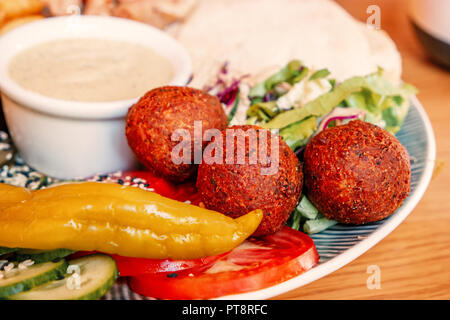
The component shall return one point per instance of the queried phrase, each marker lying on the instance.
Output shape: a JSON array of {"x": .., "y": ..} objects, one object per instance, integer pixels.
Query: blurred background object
[
  {"x": 431, "y": 21},
  {"x": 99, "y": 7},
  {"x": 158, "y": 13},
  {"x": 12, "y": 9},
  {"x": 63, "y": 7}
]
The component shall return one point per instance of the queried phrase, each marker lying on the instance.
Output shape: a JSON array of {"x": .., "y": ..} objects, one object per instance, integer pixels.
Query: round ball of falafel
[
  {"x": 158, "y": 114},
  {"x": 356, "y": 173},
  {"x": 273, "y": 182}
]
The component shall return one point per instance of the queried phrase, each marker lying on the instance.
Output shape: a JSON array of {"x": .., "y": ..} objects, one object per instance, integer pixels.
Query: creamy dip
[{"x": 90, "y": 69}]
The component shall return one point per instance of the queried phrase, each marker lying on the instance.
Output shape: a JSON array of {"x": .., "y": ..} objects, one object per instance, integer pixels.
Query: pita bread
[
  {"x": 384, "y": 53},
  {"x": 253, "y": 35}
]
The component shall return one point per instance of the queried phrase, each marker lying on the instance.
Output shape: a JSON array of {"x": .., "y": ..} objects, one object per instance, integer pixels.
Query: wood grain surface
[{"x": 414, "y": 260}]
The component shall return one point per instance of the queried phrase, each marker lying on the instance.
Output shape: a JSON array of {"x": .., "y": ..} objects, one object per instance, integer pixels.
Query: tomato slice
[
  {"x": 129, "y": 266},
  {"x": 256, "y": 264},
  {"x": 139, "y": 266},
  {"x": 147, "y": 180}
]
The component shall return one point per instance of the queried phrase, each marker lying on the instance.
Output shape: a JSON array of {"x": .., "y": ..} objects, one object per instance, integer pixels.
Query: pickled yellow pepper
[{"x": 116, "y": 219}]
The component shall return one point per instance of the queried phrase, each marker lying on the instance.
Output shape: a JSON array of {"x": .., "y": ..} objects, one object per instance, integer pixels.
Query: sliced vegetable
[
  {"x": 226, "y": 89},
  {"x": 235, "y": 107},
  {"x": 139, "y": 266},
  {"x": 318, "y": 225},
  {"x": 307, "y": 209},
  {"x": 136, "y": 266},
  {"x": 121, "y": 220},
  {"x": 229, "y": 95},
  {"x": 4, "y": 250},
  {"x": 386, "y": 105},
  {"x": 297, "y": 134},
  {"x": 318, "y": 107},
  {"x": 295, "y": 220},
  {"x": 148, "y": 181},
  {"x": 320, "y": 74},
  {"x": 256, "y": 264},
  {"x": 263, "y": 110},
  {"x": 308, "y": 217},
  {"x": 287, "y": 74},
  {"x": 182, "y": 192},
  {"x": 92, "y": 277},
  {"x": 302, "y": 75},
  {"x": 19, "y": 280},
  {"x": 291, "y": 73},
  {"x": 340, "y": 114},
  {"x": 258, "y": 90},
  {"x": 40, "y": 256},
  {"x": 362, "y": 100}
]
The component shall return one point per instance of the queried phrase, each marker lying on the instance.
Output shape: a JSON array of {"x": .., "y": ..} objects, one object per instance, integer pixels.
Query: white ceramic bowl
[{"x": 66, "y": 139}]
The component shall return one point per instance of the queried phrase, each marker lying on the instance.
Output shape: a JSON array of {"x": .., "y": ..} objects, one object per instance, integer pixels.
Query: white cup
[
  {"x": 68, "y": 139},
  {"x": 431, "y": 21},
  {"x": 432, "y": 16}
]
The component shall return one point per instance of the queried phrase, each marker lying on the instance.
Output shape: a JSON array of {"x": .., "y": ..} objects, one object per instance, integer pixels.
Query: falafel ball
[
  {"x": 155, "y": 117},
  {"x": 239, "y": 187},
  {"x": 356, "y": 173}
]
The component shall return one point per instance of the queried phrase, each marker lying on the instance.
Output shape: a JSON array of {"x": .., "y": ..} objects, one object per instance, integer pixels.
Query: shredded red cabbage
[
  {"x": 191, "y": 77},
  {"x": 339, "y": 115},
  {"x": 269, "y": 97},
  {"x": 340, "y": 118},
  {"x": 227, "y": 92}
]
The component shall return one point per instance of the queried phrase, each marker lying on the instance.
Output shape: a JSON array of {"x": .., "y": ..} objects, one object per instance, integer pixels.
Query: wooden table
[{"x": 414, "y": 259}]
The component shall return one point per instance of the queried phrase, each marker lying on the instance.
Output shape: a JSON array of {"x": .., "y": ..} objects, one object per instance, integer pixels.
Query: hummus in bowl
[{"x": 67, "y": 84}]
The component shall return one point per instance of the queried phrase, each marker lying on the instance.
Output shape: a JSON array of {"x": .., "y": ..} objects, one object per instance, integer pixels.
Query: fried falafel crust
[
  {"x": 236, "y": 189},
  {"x": 356, "y": 173},
  {"x": 154, "y": 118}
]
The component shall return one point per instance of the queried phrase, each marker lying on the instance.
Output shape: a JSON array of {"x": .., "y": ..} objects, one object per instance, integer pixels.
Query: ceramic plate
[{"x": 337, "y": 246}]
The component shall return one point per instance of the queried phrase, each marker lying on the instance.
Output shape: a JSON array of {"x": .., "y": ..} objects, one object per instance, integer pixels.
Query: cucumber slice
[
  {"x": 40, "y": 256},
  {"x": 20, "y": 280},
  {"x": 4, "y": 250},
  {"x": 97, "y": 275}
]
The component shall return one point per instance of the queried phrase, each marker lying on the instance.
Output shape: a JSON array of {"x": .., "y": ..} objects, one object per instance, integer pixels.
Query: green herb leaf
[
  {"x": 320, "y": 74},
  {"x": 297, "y": 134}
]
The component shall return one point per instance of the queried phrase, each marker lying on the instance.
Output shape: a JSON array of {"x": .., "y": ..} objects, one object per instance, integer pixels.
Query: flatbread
[
  {"x": 384, "y": 53},
  {"x": 253, "y": 35}
]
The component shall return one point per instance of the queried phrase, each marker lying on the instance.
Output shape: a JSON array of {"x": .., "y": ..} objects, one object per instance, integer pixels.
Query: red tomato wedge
[
  {"x": 147, "y": 180},
  {"x": 256, "y": 264},
  {"x": 139, "y": 266}
]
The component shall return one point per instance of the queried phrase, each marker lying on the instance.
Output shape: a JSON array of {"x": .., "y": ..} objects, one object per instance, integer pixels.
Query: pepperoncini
[{"x": 117, "y": 219}]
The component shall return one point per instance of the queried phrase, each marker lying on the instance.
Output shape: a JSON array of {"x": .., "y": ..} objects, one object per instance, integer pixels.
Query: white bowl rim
[{"x": 76, "y": 109}]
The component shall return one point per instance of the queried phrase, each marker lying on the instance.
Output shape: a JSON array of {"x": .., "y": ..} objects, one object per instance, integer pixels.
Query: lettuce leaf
[
  {"x": 318, "y": 107},
  {"x": 297, "y": 134},
  {"x": 386, "y": 105},
  {"x": 291, "y": 73}
]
